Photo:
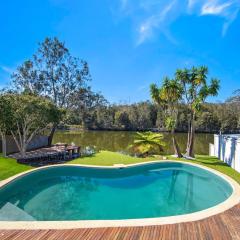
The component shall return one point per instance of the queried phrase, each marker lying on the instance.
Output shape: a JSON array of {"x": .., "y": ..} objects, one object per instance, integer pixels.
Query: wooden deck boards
[{"x": 223, "y": 226}]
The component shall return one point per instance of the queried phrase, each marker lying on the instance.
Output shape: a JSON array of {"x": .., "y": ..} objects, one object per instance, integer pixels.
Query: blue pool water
[{"x": 80, "y": 193}]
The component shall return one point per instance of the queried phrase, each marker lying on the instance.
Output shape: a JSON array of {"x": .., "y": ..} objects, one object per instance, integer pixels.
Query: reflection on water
[
  {"x": 120, "y": 140},
  {"x": 174, "y": 176},
  {"x": 79, "y": 193},
  {"x": 68, "y": 194},
  {"x": 188, "y": 203}
]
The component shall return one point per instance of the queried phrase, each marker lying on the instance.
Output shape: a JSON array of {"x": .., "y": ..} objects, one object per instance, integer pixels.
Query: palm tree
[
  {"x": 196, "y": 90},
  {"x": 148, "y": 143},
  {"x": 168, "y": 96}
]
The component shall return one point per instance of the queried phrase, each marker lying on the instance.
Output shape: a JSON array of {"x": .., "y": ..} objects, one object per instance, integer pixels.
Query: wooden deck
[
  {"x": 223, "y": 226},
  {"x": 58, "y": 153}
]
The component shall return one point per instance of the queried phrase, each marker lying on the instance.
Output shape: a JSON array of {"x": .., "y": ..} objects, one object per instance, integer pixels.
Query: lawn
[
  {"x": 9, "y": 167},
  {"x": 106, "y": 158},
  {"x": 214, "y": 163}
]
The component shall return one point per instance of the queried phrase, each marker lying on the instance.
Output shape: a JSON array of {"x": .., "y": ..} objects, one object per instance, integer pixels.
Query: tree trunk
[
  {"x": 189, "y": 130},
  {"x": 50, "y": 137},
  {"x": 177, "y": 151},
  {"x": 23, "y": 150},
  {"x": 190, "y": 146},
  {"x": 20, "y": 142},
  {"x": 4, "y": 144}
]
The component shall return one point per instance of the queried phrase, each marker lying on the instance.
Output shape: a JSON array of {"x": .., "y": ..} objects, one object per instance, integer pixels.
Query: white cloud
[
  {"x": 229, "y": 21},
  {"x": 147, "y": 27},
  {"x": 143, "y": 87},
  {"x": 226, "y": 9},
  {"x": 191, "y": 4},
  {"x": 156, "y": 16},
  {"x": 123, "y": 4},
  {"x": 213, "y": 7},
  {"x": 7, "y": 69}
]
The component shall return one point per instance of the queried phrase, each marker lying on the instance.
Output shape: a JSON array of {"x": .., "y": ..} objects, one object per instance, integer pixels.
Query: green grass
[
  {"x": 214, "y": 163},
  {"x": 106, "y": 158},
  {"x": 9, "y": 167}
]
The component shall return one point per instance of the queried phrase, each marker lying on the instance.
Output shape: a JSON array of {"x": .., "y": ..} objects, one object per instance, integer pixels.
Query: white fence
[{"x": 227, "y": 148}]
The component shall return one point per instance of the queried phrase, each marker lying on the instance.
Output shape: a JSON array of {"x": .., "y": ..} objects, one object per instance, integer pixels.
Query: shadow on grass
[
  {"x": 41, "y": 163},
  {"x": 204, "y": 160}
]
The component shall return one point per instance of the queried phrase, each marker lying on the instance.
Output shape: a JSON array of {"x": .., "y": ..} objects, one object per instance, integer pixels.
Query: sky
[{"x": 128, "y": 44}]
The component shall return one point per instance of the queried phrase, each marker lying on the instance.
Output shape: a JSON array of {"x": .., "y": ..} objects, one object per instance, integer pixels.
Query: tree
[
  {"x": 196, "y": 90},
  {"x": 168, "y": 96},
  {"x": 145, "y": 115},
  {"x": 82, "y": 106},
  {"x": 208, "y": 122},
  {"x": 147, "y": 143},
  {"x": 52, "y": 72},
  {"x": 103, "y": 118},
  {"x": 30, "y": 115},
  {"x": 229, "y": 122},
  {"x": 235, "y": 98},
  {"x": 5, "y": 119},
  {"x": 122, "y": 119}
]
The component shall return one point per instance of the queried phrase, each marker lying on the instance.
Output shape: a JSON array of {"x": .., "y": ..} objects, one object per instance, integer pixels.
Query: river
[{"x": 118, "y": 141}]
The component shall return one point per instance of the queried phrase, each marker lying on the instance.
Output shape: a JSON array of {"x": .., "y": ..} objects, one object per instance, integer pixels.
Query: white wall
[
  {"x": 227, "y": 148},
  {"x": 211, "y": 149}
]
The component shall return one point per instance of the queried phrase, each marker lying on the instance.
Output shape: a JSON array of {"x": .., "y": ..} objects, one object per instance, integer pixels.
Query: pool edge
[{"x": 230, "y": 202}]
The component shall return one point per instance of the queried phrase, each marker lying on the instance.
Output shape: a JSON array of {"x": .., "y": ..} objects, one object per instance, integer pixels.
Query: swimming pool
[{"x": 73, "y": 193}]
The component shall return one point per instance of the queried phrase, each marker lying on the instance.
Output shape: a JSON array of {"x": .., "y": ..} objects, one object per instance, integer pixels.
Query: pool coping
[{"x": 233, "y": 200}]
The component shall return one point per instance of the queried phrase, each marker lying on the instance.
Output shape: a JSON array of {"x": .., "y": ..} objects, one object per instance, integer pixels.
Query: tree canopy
[
  {"x": 52, "y": 72},
  {"x": 26, "y": 116},
  {"x": 168, "y": 96},
  {"x": 195, "y": 91}
]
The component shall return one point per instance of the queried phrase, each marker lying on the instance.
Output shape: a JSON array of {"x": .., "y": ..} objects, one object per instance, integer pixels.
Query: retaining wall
[{"x": 37, "y": 142}]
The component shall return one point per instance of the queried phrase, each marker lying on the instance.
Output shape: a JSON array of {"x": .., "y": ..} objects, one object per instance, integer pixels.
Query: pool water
[{"x": 81, "y": 193}]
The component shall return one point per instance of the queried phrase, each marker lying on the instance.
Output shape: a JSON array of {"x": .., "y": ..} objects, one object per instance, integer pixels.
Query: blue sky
[{"x": 128, "y": 43}]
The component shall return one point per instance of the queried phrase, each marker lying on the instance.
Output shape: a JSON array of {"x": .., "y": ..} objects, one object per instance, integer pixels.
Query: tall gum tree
[{"x": 52, "y": 72}]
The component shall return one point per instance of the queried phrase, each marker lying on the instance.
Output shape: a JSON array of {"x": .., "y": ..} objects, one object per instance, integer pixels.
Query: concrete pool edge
[{"x": 233, "y": 200}]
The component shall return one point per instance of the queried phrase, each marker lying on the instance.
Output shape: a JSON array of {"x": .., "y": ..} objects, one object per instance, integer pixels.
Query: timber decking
[
  {"x": 57, "y": 153},
  {"x": 223, "y": 226}
]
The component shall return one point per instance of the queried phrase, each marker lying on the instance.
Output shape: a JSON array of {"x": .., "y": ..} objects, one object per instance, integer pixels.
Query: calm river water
[{"x": 120, "y": 140}]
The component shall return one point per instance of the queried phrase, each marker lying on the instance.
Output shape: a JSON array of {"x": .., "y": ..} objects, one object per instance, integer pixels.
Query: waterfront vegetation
[
  {"x": 51, "y": 90},
  {"x": 147, "y": 143},
  {"x": 120, "y": 140},
  {"x": 9, "y": 167}
]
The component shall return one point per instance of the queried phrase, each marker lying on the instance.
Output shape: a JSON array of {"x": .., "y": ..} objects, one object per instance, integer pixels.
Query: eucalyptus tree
[
  {"x": 52, "y": 72},
  {"x": 83, "y": 105},
  {"x": 168, "y": 96},
  {"x": 195, "y": 92}
]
